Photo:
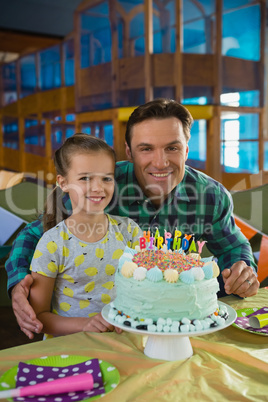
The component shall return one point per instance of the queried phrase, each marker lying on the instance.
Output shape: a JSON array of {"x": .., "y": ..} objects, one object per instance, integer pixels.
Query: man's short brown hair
[{"x": 161, "y": 108}]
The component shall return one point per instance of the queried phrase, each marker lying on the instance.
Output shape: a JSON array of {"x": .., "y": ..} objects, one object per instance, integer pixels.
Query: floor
[{"x": 10, "y": 333}]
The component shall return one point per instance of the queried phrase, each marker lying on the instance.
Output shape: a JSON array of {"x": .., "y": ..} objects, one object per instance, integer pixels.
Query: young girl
[{"x": 74, "y": 262}]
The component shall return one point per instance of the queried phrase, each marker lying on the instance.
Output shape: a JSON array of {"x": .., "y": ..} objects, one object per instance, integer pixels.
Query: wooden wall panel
[
  {"x": 131, "y": 73},
  {"x": 101, "y": 115},
  {"x": 21, "y": 42},
  {"x": 95, "y": 80},
  {"x": 35, "y": 163},
  {"x": 213, "y": 165},
  {"x": 119, "y": 137},
  {"x": 55, "y": 99},
  {"x": 163, "y": 69},
  {"x": 198, "y": 70},
  {"x": 29, "y": 105},
  {"x": 50, "y": 100},
  {"x": 11, "y": 110},
  {"x": 68, "y": 100},
  {"x": 11, "y": 159},
  {"x": 240, "y": 74}
]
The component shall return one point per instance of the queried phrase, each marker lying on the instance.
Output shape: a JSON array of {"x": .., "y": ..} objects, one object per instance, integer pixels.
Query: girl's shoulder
[
  {"x": 55, "y": 232},
  {"x": 120, "y": 220},
  {"x": 123, "y": 224}
]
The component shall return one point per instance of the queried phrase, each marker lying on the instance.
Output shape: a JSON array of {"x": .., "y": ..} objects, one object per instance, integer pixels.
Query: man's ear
[
  {"x": 62, "y": 183},
  {"x": 186, "y": 153},
  {"x": 128, "y": 153}
]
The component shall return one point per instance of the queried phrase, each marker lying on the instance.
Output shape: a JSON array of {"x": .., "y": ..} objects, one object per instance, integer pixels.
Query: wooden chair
[{"x": 9, "y": 179}]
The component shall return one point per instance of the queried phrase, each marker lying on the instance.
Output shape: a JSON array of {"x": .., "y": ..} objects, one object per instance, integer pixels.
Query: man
[{"x": 158, "y": 191}]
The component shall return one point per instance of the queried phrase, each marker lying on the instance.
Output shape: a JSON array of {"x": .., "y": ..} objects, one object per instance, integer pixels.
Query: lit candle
[
  {"x": 184, "y": 244},
  {"x": 142, "y": 243},
  {"x": 160, "y": 242},
  {"x": 147, "y": 235},
  {"x": 176, "y": 243},
  {"x": 192, "y": 247},
  {"x": 200, "y": 245},
  {"x": 151, "y": 245},
  {"x": 169, "y": 243},
  {"x": 167, "y": 236},
  {"x": 177, "y": 233}
]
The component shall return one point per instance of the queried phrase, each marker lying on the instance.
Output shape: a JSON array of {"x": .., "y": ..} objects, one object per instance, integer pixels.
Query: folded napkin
[
  {"x": 244, "y": 321},
  {"x": 30, "y": 374}
]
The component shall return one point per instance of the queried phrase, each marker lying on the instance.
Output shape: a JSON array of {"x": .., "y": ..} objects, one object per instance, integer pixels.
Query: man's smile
[{"x": 160, "y": 175}]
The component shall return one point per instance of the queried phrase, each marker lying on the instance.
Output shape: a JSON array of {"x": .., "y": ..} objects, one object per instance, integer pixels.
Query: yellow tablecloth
[{"x": 227, "y": 365}]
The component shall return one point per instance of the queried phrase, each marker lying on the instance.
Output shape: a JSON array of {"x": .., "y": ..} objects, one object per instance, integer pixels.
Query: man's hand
[
  {"x": 241, "y": 280},
  {"x": 98, "y": 324},
  {"x": 24, "y": 313}
]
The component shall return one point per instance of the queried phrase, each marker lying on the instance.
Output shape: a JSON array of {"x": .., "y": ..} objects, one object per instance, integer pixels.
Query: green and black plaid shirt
[{"x": 198, "y": 205}]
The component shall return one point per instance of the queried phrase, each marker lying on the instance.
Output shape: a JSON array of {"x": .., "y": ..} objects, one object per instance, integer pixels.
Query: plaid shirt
[{"x": 198, "y": 205}]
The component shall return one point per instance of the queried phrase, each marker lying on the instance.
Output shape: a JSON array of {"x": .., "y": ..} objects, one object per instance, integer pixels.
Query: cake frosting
[{"x": 164, "y": 290}]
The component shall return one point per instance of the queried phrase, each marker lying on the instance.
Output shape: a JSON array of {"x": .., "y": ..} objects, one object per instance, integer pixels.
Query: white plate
[{"x": 229, "y": 321}]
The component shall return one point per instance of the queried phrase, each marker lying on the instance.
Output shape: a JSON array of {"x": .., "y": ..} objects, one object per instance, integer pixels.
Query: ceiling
[{"x": 26, "y": 25}]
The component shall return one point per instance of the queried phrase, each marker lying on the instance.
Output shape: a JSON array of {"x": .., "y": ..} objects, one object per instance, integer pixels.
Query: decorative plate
[
  {"x": 110, "y": 374},
  {"x": 243, "y": 317},
  {"x": 229, "y": 321}
]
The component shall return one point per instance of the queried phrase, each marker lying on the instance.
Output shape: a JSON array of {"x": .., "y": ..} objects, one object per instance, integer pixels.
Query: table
[{"x": 228, "y": 365}]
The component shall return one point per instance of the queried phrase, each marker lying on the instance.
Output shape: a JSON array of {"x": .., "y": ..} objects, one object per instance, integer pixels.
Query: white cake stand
[{"x": 170, "y": 346}]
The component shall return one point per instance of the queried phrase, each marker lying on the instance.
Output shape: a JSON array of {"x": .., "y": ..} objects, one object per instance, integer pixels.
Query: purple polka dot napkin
[
  {"x": 30, "y": 374},
  {"x": 243, "y": 322}
]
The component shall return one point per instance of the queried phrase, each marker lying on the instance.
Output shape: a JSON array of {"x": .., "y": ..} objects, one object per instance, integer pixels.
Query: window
[
  {"x": 136, "y": 35},
  {"x": 241, "y": 39},
  {"x": 198, "y": 145},
  {"x": 96, "y": 40},
  {"x": 50, "y": 68},
  {"x": 201, "y": 100},
  {"x": 68, "y": 55},
  {"x": 86, "y": 129},
  {"x": 69, "y": 131},
  {"x": 198, "y": 25},
  {"x": 56, "y": 135},
  {"x": 60, "y": 132},
  {"x": 9, "y": 83},
  {"x": 265, "y": 155},
  {"x": 11, "y": 133},
  {"x": 164, "y": 26},
  {"x": 109, "y": 134},
  {"x": 131, "y": 31},
  {"x": 70, "y": 117},
  {"x": 103, "y": 130},
  {"x": 27, "y": 75},
  {"x": 243, "y": 98},
  {"x": 34, "y": 136},
  {"x": 239, "y": 148}
]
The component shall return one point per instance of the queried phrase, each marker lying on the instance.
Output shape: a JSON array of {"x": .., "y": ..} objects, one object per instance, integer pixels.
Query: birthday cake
[{"x": 161, "y": 290}]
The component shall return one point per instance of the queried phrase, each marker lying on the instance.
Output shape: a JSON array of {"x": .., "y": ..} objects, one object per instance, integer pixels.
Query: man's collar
[
  {"x": 134, "y": 190},
  {"x": 181, "y": 191}
]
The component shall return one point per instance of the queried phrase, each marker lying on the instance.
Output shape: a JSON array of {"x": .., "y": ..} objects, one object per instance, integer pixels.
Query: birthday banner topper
[{"x": 179, "y": 242}]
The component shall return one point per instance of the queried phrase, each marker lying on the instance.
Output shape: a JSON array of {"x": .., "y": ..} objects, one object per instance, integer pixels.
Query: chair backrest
[
  {"x": 259, "y": 245},
  {"x": 251, "y": 206},
  {"x": 9, "y": 224},
  {"x": 26, "y": 200},
  {"x": 9, "y": 179}
]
